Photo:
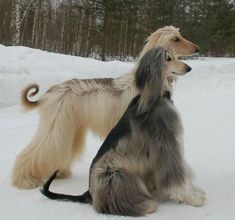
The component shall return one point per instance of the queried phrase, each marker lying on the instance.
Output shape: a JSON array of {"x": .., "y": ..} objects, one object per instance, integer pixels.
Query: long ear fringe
[
  {"x": 149, "y": 79},
  {"x": 150, "y": 42}
]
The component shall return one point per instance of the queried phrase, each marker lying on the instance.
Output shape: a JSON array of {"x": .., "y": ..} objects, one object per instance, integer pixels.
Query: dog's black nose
[
  {"x": 188, "y": 68},
  {"x": 197, "y": 50}
]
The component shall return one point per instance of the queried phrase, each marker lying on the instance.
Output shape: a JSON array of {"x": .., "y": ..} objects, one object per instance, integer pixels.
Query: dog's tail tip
[
  {"x": 84, "y": 198},
  {"x": 29, "y": 105}
]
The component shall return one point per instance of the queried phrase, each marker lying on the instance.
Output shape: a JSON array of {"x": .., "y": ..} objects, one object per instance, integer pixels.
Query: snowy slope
[
  {"x": 205, "y": 98},
  {"x": 20, "y": 65}
]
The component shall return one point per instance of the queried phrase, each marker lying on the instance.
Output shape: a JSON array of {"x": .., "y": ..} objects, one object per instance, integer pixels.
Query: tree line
[{"x": 107, "y": 29}]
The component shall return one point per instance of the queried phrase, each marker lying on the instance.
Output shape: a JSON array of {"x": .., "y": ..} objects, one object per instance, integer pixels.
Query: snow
[
  {"x": 205, "y": 98},
  {"x": 20, "y": 65}
]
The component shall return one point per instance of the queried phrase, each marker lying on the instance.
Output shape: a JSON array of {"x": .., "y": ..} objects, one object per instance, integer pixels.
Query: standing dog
[
  {"x": 146, "y": 144},
  {"x": 69, "y": 109}
]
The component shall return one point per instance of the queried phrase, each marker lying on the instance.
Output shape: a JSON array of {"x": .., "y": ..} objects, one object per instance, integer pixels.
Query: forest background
[{"x": 115, "y": 29}]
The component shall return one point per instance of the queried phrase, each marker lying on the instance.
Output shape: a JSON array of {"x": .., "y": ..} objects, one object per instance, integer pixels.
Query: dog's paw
[
  {"x": 196, "y": 198},
  {"x": 26, "y": 183}
]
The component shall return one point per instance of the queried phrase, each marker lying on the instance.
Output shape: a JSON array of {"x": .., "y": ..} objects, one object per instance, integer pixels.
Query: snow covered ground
[{"x": 205, "y": 98}]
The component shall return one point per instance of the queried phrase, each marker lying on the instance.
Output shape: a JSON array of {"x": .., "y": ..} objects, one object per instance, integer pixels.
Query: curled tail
[
  {"x": 24, "y": 96},
  {"x": 84, "y": 198}
]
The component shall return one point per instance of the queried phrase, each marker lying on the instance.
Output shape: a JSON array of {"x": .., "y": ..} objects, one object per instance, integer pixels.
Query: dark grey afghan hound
[{"x": 143, "y": 154}]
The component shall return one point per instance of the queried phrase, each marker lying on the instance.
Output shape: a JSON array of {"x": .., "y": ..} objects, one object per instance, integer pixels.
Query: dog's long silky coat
[
  {"x": 146, "y": 144},
  {"x": 68, "y": 110}
]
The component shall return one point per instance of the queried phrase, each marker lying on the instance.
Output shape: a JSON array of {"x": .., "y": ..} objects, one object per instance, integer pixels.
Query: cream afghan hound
[{"x": 69, "y": 109}]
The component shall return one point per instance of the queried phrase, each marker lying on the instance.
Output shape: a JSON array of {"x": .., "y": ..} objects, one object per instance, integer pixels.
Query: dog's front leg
[{"x": 185, "y": 192}]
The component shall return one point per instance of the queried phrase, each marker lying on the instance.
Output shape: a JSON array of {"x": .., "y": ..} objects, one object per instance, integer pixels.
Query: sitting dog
[{"x": 145, "y": 148}]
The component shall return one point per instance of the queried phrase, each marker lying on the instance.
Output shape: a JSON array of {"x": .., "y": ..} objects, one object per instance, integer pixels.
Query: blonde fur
[{"x": 69, "y": 109}]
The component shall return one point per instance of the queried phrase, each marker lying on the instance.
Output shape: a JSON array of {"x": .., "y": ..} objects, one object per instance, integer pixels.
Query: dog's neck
[{"x": 167, "y": 94}]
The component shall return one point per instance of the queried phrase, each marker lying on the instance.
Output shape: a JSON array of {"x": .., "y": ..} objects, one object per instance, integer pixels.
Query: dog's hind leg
[
  {"x": 77, "y": 148},
  {"x": 52, "y": 146},
  {"x": 79, "y": 141},
  {"x": 118, "y": 192}
]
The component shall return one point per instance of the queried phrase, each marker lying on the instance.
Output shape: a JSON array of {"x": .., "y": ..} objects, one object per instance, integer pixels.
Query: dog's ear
[
  {"x": 150, "y": 66},
  {"x": 147, "y": 67},
  {"x": 149, "y": 78},
  {"x": 142, "y": 75},
  {"x": 151, "y": 42}
]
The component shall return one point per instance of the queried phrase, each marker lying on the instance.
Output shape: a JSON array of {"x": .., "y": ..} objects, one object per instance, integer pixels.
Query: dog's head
[
  {"x": 173, "y": 66},
  {"x": 152, "y": 75},
  {"x": 157, "y": 64},
  {"x": 170, "y": 38}
]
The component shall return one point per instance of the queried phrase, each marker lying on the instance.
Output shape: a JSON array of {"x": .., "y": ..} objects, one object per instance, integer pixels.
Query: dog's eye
[
  {"x": 176, "y": 39},
  {"x": 168, "y": 59}
]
